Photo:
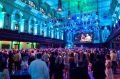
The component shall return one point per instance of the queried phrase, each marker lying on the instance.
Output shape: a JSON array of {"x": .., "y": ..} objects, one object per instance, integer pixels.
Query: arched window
[
  {"x": 31, "y": 26},
  {"x": 17, "y": 18},
  {"x": 17, "y": 22}
]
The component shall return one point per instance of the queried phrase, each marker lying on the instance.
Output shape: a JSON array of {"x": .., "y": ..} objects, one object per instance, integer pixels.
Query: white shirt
[
  {"x": 113, "y": 56},
  {"x": 38, "y": 70}
]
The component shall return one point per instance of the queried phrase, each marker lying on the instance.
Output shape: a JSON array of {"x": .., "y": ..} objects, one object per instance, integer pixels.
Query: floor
[{"x": 117, "y": 75}]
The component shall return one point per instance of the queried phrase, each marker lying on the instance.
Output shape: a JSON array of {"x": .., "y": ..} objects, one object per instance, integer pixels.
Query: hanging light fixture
[
  {"x": 78, "y": 5},
  {"x": 59, "y": 5},
  {"x": 69, "y": 12},
  {"x": 98, "y": 21}
]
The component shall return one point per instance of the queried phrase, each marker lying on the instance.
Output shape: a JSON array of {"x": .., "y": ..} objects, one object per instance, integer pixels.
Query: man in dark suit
[
  {"x": 99, "y": 68},
  {"x": 52, "y": 64}
]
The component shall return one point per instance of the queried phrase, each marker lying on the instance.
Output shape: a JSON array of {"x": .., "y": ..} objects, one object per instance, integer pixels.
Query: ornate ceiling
[
  {"x": 81, "y": 6},
  {"x": 82, "y": 12}
]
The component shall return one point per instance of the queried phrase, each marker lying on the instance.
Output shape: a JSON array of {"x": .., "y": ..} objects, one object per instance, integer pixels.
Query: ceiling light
[
  {"x": 59, "y": 5},
  {"x": 69, "y": 18},
  {"x": 59, "y": 9},
  {"x": 78, "y": 17}
]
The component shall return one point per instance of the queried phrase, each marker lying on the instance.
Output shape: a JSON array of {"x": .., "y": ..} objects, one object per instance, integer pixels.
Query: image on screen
[{"x": 84, "y": 38}]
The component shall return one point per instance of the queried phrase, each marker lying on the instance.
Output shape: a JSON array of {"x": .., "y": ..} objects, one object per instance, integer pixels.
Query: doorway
[{"x": 16, "y": 46}]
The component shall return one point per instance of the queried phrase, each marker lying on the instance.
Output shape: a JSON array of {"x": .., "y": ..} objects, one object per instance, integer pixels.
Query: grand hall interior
[{"x": 59, "y": 39}]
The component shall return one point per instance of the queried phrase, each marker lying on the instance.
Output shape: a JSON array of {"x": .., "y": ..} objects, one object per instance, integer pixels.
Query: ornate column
[
  {"x": 2, "y": 17},
  {"x": 21, "y": 23},
  {"x": 35, "y": 29},
  {"x": 12, "y": 22},
  {"x": 45, "y": 32}
]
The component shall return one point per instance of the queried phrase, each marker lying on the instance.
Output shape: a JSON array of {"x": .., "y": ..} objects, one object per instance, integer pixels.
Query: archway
[
  {"x": 105, "y": 34},
  {"x": 43, "y": 29},
  {"x": 17, "y": 22},
  {"x": 32, "y": 25}
]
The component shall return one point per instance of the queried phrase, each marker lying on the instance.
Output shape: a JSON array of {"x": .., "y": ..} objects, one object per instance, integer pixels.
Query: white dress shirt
[{"x": 38, "y": 70}]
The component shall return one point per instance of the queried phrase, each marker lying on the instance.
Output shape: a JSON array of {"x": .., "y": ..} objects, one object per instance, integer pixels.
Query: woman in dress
[{"x": 108, "y": 70}]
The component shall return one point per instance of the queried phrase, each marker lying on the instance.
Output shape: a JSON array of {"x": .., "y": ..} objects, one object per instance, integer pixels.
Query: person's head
[
  {"x": 38, "y": 51},
  {"x": 25, "y": 58},
  {"x": 111, "y": 51},
  {"x": 81, "y": 64},
  {"x": 98, "y": 56},
  {"x": 59, "y": 60},
  {"x": 38, "y": 56},
  {"x": 32, "y": 51},
  {"x": 107, "y": 57}
]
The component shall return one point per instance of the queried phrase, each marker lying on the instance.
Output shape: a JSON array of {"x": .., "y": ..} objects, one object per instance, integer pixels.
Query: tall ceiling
[{"x": 81, "y": 6}]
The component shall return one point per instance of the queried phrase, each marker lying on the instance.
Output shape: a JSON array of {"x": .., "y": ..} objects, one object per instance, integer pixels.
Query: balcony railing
[{"x": 15, "y": 36}]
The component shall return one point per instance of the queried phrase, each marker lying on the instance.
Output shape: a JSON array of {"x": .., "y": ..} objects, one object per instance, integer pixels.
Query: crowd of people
[{"x": 60, "y": 63}]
